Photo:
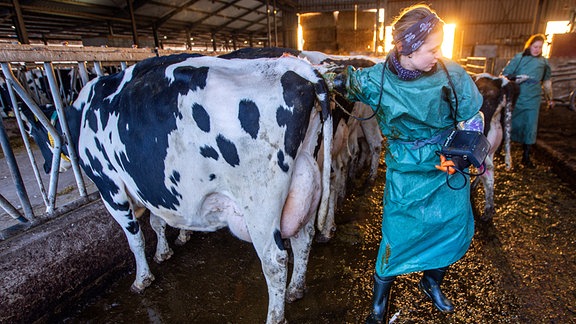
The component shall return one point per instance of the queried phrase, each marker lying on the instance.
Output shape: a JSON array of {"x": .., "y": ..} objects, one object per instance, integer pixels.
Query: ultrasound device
[{"x": 470, "y": 145}]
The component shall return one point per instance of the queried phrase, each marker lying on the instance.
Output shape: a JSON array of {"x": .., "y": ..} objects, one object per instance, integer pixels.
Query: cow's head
[{"x": 42, "y": 137}]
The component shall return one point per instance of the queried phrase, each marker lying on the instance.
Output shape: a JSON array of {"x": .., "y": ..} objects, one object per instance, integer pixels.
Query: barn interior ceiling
[{"x": 168, "y": 23}]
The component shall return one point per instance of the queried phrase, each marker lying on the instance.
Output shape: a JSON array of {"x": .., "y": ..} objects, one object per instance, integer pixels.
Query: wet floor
[{"x": 519, "y": 269}]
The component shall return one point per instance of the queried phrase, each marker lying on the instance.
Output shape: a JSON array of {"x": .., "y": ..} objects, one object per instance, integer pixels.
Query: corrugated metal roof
[
  {"x": 247, "y": 22},
  {"x": 174, "y": 22}
]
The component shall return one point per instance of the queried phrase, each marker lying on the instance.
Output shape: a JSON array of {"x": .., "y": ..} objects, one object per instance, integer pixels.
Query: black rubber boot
[
  {"x": 430, "y": 285},
  {"x": 381, "y": 291},
  {"x": 526, "y": 156}
]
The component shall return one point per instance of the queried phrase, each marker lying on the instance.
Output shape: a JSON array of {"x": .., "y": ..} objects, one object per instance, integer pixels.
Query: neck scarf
[
  {"x": 413, "y": 37},
  {"x": 403, "y": 74}
]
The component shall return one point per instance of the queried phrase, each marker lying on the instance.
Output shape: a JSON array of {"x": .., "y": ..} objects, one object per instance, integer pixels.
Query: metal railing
[
  {"x": 476, "y": 65},
  {"x": 48, "y": 61}
]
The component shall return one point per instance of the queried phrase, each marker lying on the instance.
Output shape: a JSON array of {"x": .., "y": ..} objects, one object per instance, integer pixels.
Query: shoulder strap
[
  {"x": 454, "y": 110},
  {"x": 517, "y": 65}
]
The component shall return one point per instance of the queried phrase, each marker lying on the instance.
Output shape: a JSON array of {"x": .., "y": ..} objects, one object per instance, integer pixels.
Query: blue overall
[
  {"x": 425, "y": 224},
  {"x": 525, "y": 114}
]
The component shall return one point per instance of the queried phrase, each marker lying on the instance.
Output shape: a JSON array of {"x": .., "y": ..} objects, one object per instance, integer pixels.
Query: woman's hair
[
  {"x": 533, "y": 39},
  {"x": 410, "y": 16}
]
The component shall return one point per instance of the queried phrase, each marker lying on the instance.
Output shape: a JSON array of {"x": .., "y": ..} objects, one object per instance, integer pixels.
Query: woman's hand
[
  {"x": 336, "y": 82},
  {"x": 446, "y": 165}
]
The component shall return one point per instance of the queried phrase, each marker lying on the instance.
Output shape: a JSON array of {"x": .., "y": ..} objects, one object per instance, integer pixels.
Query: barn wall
[
  {"x": 343, "y": 33},
  {"x": 355, "y": 31},
  {"x": 505, "y": 24},
  {"x": 319, "y": 32},
  {"x": 290, "y": 29},
  {"x": 563, "y": 45},
  {"x": 563, "y": 76}
]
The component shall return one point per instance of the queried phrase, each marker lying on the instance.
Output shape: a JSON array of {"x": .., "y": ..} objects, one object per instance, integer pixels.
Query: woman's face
[
  {"x": 427, "y": 55},
  {"x": 536, "y": 48}
]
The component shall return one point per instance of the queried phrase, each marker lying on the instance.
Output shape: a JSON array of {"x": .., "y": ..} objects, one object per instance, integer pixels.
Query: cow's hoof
[
  {"x": 487, "y": 215},
  {"x": 183, "y": 237},
  {"x": 139, "y": 288},
  {"x": 164, "y": 256},
  {"x": 321, "y": 238},
  {"x": 294, "y": 295}
]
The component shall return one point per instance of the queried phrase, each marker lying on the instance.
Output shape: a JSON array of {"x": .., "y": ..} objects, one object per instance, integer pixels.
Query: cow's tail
[
  {"x": 323, "y": 96},
  {"x": 508, "y": 132},
  {"x": 511, "y": 91}
]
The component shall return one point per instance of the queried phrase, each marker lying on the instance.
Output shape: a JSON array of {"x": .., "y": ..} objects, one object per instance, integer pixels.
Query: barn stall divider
[{"x": 53, "y": 250}]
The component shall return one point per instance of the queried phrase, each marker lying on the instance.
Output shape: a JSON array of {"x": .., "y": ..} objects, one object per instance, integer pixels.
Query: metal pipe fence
[{"x": 34, "y": 78}]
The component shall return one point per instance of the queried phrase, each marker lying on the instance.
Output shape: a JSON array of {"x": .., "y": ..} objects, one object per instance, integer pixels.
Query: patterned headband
[{"x": 413, "y": 37}]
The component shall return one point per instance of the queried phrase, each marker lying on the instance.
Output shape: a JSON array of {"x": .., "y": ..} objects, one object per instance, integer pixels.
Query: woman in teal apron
[
  {"x": 532, "y": 71},
  {"x": 419, "y": 97}
]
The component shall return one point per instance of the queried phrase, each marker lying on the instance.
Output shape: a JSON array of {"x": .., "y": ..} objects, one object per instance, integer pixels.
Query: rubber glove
[
  {"x": 446, "y": 165},
  {"x": 336, "y": 82},
  {"x": 521, "y": 78}
]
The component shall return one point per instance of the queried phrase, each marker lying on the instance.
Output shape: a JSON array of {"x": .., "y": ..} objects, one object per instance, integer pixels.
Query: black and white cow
[
  {"x": 357, "y": 139},
  {"x": 356, "y": 146},
  {"x": 205, "y": 143},
  {"x": 500, "y": 97},
  {"x": 355, "y": 143}
]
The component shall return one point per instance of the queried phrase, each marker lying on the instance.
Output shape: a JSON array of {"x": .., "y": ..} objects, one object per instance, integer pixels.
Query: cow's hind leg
[
  {"x": 163, "y": 250},
  {"x": 123, "y": 213},
  {"x": 301, "y": 245},
  {"x": 488, "y": 181},
  {"x": 268, "y": 243}
]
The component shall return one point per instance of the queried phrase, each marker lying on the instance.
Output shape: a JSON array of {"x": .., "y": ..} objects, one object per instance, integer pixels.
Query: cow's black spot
[
  {"x": 228, "y": 150},
  {"x": 175, "y": 177},
  {"x": 92, "y": 122},
  {"x": 118, "y": 160},
  {"x": 105, "y": 185},
  {"x": 278, "y": 240},
  {"x": 209, "y": 152},
  {"x": 133, "y": 227},
  {"x": 299, "y": 96},
  {"x": 101, "y": 148},
  {"x": 212, "y": 176},
  {"x": 188, "y": 78},
  {"x": 147, "y": 110},
  {"x": 99, "y": 145},
  {"x": 201, "y": 117},
  {"x": 176, "y": 193},
  {"x": 253, "y": 53},
  {"x": 281, "y": 162},
  {"x": 249, "y": 117}
]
